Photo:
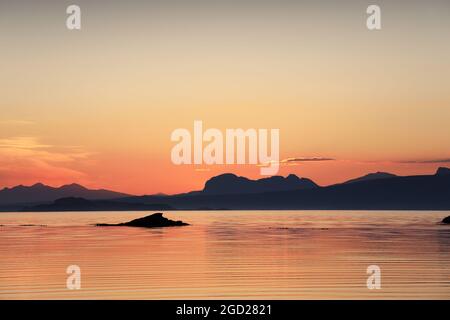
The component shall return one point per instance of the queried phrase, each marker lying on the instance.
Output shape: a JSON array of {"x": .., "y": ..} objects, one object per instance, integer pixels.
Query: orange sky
[{"x": 97, "y": 106}]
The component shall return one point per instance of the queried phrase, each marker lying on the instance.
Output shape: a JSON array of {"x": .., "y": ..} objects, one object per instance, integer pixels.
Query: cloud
[
  {"x": 427, "y": 161},
  {"x": 24, "y": 159},
  {"x": 295, "y": 161},
  {"x": 31, "y": 148},
  {"x": 289, "y": 160},
  {"x": 21, "y": 143}
]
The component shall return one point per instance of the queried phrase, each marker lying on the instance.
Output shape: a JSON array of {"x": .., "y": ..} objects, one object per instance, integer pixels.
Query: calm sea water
[{"x": 226, "y": 255}]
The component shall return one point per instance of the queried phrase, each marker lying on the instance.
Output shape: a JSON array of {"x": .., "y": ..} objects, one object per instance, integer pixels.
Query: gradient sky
[{"x": 97, "y": 106}]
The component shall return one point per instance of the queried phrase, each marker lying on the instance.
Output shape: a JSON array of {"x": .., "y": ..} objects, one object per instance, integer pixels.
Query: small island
[
  {"x": 446, "y": 220},
  {"x": 155, "y": 220}
]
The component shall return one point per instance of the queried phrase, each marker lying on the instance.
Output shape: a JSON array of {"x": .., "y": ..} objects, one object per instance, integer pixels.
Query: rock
[
  {"x": 442, "y": 171},
  {"x": 155, "y": 220},
  {"x": 446, "y": 220}
]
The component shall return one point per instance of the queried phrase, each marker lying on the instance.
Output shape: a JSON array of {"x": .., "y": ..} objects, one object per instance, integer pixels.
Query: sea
[{"x": 226, "y": 255}]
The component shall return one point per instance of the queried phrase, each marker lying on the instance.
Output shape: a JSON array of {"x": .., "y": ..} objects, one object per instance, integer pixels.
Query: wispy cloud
[
  {"x": 30, "y": 147},
  {"x": 25, "y": 159},
  {"x": 302, "y": 159},
  {"x": 445, "y": 160},
  {"x": 296, "y": 160},
  {"x": 21, "y": 143}
]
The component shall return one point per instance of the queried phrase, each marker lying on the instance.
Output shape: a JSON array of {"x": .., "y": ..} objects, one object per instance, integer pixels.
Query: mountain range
[
  {"x": 375, "y": 191},
  {"x": 39, "y": 193}
]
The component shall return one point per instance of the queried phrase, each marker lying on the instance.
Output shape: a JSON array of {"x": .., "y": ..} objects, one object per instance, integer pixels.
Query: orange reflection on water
[{"x": 226, "y": 255}]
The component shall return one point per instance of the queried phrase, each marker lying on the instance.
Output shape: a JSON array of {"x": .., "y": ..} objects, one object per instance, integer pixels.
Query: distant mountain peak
[
  {"x": 38, "y": 185},
  {"x": 372, "y": 176},
  {"x": 73, "y": 186},
  {"x": 229, "y": 183},
  {"x": 442, "y": 171}
]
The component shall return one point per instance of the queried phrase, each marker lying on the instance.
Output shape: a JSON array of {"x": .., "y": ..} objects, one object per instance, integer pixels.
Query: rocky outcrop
[
  {"x": 155, "y": 220},
  {"x": 446, "y": 220},
  {"x": 442, "y": 171}
]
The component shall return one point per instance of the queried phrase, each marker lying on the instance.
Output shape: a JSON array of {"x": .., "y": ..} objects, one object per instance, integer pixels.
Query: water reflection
[{"x": 226, "y": 254}]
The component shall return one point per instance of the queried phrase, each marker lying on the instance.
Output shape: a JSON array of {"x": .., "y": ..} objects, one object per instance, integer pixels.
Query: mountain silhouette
[
  {"x": 422, "y": 192},
  {"x": 372, "y": 176},
  {"x": 41, "y": 193},
  {"x": 378, "y": 191},
  {"x": 229, "y": 184}
]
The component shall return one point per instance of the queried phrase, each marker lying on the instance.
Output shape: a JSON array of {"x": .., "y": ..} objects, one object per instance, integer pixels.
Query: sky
[{"x": 97, "y": 106}]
